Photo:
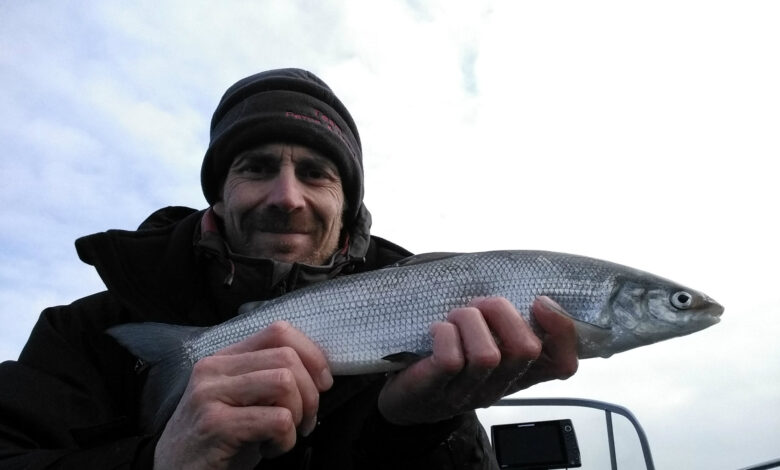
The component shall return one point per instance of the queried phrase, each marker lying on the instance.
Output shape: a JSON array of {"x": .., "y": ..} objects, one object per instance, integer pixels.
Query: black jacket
[{"x": 71, "y": 400}]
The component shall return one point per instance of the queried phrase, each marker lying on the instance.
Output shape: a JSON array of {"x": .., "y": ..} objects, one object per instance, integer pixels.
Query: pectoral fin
[
  {"x": 249, "y": 306},
  {"x": 403, "y": 357}
]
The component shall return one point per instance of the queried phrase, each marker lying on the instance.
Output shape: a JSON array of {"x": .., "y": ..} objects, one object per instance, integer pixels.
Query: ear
[{"x": 219, "y": 209}]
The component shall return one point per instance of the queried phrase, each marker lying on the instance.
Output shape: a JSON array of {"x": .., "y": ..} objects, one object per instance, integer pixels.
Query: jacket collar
[{"x": 176, "y": 264}]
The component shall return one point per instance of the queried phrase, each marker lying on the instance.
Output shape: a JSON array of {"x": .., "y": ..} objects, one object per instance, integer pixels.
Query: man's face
[{"x": 284, "y": 202}]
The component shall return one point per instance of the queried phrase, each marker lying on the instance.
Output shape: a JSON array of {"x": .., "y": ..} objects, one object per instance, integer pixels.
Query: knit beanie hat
[{"x": 284, "y": 105}]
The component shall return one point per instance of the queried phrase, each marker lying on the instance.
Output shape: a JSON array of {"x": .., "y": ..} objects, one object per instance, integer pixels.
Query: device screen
[{"x": 529, "y": 444}]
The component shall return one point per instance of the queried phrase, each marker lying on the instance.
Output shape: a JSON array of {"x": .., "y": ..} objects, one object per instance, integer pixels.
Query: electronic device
[{"x": 537, "y": 445}]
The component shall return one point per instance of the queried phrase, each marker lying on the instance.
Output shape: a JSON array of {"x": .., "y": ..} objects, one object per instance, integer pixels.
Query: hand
[
  {"x": 246, "y": 402},
  {"x": 480, "y": 354}
]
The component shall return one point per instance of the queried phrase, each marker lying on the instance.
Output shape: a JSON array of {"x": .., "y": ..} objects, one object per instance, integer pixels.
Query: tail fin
[{"x": 162, "y": 347}]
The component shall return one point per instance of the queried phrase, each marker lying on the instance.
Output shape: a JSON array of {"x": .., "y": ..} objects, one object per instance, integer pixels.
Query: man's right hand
[{"x": 246, "y": 402}]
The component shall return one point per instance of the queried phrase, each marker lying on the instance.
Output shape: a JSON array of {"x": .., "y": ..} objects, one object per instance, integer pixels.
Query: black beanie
[{"x": 284, "y": 105}]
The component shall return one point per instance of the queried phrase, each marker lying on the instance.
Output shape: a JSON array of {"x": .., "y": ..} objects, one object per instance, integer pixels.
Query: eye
[
  {"x": 257, "y": 168},
  {"x": 681, "y": 300},
  {"x": 314, "y": 172}
]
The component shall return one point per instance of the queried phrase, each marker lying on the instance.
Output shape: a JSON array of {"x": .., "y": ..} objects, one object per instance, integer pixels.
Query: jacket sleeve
[{"x": 67, "y": 402}]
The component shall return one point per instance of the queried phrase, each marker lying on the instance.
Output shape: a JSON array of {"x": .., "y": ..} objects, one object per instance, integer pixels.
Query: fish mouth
[
  {"x": 709, "y": 313},
  {"x": 714, "y": 308}
]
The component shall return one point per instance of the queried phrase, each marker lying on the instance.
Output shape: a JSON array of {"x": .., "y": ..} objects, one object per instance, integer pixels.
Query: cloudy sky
[{"x": 645, "y": 133}]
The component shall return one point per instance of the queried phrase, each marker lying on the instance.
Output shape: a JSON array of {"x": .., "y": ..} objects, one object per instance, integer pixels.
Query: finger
[
  {"x": 472, "y": 385},
  {"x": 237, "y": 364},
  {"x": 518, "y": 344},
  {"x": 242, "y": 368},
  {"x": 560, "y": 337},
  {"x": 436, "y": 370},
  {"x": 447, "y": 357},
  {"x": 514, "y": 337},
  {"x": 425, "y": 380},
  {"x": 271, "y": 427},
  {"x": 275, "y": 387},
  {"x": 280, "y": 334},
  {"x": 479, "y": 347}
]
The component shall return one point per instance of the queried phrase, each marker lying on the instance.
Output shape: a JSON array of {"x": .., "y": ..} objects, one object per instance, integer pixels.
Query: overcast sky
[{"x": 644, "y": 133}]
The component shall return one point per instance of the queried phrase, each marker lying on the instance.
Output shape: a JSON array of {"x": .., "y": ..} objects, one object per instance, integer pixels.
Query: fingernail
[
  {"x": 308, "y": 428},
  {"x": 326, "y": 380},
  {"x": 552, "y": 305}
]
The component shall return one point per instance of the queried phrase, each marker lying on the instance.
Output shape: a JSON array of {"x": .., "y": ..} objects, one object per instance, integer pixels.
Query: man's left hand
[{"x": 481, "y": 353}]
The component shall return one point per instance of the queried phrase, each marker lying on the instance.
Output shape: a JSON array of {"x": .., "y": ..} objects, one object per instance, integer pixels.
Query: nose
[{"x": 286, "y": 191}]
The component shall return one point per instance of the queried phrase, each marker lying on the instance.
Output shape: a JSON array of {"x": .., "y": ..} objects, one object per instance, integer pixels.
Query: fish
[{"x": 379, "y": 321}]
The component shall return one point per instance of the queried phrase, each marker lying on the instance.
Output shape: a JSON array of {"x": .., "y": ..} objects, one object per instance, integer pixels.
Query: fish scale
[{"x": 365, "y": 322}]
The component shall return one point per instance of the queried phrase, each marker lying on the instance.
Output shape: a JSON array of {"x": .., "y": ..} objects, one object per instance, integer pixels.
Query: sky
[{"x": 644, "y": 133}]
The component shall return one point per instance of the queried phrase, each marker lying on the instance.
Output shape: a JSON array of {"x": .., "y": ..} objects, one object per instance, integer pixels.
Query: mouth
[
  {"x": 284, "y": 231},
  {"x": 282, "y": 226}
]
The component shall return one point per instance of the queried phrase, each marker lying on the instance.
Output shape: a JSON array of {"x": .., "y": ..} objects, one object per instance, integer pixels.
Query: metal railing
[
  {"x": 608, "y": 409},
  {"x": 764, "y": 466}
]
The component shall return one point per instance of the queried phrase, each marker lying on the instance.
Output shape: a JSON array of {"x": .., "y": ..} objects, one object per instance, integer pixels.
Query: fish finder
[{"x": 539, "y": 445}]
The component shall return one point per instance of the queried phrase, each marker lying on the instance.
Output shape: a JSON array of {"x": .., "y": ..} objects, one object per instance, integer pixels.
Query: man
[{"x": 283, "y": 177}]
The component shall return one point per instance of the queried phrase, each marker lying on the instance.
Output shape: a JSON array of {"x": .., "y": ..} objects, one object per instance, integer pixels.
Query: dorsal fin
[{"x": 424, "y": 258}]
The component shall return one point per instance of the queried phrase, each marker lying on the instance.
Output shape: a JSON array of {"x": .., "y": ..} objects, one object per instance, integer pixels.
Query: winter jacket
[{"x": 71, "y": 400}]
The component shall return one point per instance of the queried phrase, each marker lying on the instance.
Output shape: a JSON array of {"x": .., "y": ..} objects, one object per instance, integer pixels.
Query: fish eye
[{"x": 682, "y": 300}]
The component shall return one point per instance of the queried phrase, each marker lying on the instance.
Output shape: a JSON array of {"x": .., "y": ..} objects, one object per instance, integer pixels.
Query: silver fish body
[
  {"x": 358, "y": 320},
  {"x": 361, "y": 319}
]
